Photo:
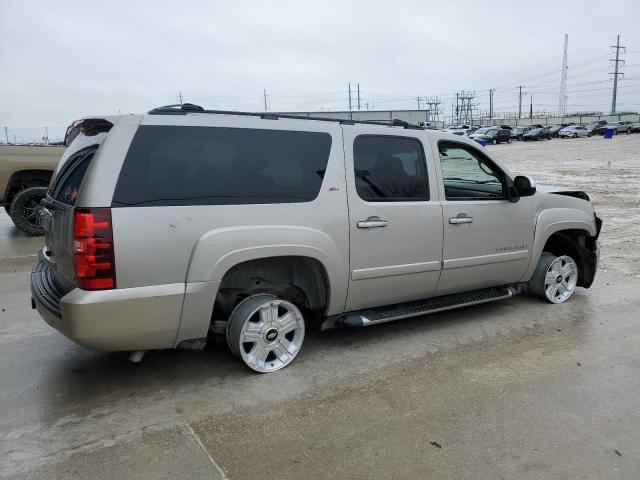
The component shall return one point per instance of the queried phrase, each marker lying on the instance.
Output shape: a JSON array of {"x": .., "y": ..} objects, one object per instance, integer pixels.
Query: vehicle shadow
[{"x": 81, "y": 382}]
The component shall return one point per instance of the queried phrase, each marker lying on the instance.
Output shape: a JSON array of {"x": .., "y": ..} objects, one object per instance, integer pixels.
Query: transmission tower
[
  {"x": 465, "y": 106},
  {"x": 562, "y": 100},
  {"x": 616, "y": 72},
  {"x": 433, "y": 109}
]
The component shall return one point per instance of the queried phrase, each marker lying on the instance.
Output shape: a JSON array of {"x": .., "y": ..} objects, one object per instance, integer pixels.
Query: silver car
[{"x": 168, "y": 228}]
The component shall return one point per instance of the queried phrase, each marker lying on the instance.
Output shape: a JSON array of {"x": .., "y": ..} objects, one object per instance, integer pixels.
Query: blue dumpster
[
  {"x": 608, "y": 133},
  {"x": 481, "y": 142}
]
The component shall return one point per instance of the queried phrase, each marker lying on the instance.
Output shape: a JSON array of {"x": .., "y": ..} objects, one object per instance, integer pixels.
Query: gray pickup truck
[{"x": 169, "y": 227}]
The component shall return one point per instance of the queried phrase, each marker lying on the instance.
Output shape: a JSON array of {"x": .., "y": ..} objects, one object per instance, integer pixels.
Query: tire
[
  {"x": 555, "y": 278},
  {"x": 266, "y": 332},
  {"x": 575, "y": 135},
  {"x": 25, "y": 210}
]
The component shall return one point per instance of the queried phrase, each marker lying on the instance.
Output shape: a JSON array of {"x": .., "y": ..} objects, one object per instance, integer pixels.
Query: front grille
[{"x": 45, "y": 288}]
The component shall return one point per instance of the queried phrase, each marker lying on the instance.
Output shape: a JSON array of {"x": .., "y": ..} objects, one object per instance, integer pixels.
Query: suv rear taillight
[{"x": 93, "y": 249}]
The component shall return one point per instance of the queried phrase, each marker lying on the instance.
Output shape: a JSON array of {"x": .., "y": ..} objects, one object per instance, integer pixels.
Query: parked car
[
  {"x": 574, "y": 131},
  {"x": 555, "y": 129},
  {"x": 518, "y": 132},
  {"x": 492, "y": 135},
  {"x": 537, "y": 134},
  {"x": 622, "y": 127},
  {"x": 596, "y": 127},
  {"x": 25, "y": 172},
  {"x": 600, "y": 129},
  {"x": 167, "y": 228},
  {"x": 460, "y": 129},
  {"x": 635, "y": 127}
]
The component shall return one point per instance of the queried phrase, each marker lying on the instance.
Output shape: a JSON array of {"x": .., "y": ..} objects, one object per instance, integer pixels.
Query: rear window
[
  {"x": 67, "y": 182},
  {"x": 389, "y": 169},
  {"x": 169, "y": 165}
]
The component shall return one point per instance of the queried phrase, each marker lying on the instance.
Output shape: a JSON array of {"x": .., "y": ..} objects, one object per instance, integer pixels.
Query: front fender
[{"x": 554, "y": 220}]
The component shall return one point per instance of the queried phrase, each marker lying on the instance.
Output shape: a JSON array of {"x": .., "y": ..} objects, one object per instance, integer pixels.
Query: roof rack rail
[{"x": 185, "y": 108}]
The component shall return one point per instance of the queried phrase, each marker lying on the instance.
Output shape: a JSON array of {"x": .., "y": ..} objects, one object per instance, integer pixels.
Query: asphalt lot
[{"x": 515, "y": 389}]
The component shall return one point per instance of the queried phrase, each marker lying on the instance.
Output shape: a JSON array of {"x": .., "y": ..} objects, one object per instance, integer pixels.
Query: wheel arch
[
  {"x": 576, "y": 237},
  {"x": 21, "y": 179},
  {"x": 220, "y": 252}
]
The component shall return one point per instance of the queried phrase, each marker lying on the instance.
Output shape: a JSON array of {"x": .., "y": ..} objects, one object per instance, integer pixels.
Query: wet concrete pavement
[{"x": 513, "y": 389}]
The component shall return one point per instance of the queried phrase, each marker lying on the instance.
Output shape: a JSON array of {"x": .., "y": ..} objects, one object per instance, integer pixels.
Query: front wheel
[
  {"x": 266, "y": 332},
  {"x": 555, "y": 278},
  {"x": 25, "y": 210}
]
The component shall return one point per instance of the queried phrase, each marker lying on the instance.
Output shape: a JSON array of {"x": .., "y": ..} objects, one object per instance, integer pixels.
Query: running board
[{"x": 374, "y": 316}]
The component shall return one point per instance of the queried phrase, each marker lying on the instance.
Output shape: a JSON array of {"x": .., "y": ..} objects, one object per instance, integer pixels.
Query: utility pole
[
  {"x": 457, "y": 110},
  {"x": 367, "y": 105},
  {"x": 358, "y": 95},
  {"x": 419, "y": 99},
  {"x": 180, "y": 97},
  {"x": 562, "y": 100},
  {"x": 491, "y": 90},
  {"x": 264, "y": 94},
  {"x": 616, "y": 73},
  {"x": 6, "y": 134},
  {"x": 46, "y": 135},
  {"x": 531, "y": 108},
  {"x": 349, "y": 96},
  {"x": 520, "y": 102}
]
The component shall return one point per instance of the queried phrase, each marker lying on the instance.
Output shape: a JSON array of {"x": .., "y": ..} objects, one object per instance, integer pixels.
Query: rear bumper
[{"x": 140, "y": 318}]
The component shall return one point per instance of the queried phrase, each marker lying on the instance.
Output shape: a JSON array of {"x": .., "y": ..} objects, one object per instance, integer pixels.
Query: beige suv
[{"x": 169, "y": 227}]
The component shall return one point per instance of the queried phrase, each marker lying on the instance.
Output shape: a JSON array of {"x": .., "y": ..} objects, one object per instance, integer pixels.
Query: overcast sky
[{"x": 63, "y": 60}]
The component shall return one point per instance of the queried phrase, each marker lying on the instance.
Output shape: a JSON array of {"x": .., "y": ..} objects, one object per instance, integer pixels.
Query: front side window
[
  {"x": 467, "y": 175},
  {"x": 170, "y": 165},
  {"x": 389, "y": 169}
]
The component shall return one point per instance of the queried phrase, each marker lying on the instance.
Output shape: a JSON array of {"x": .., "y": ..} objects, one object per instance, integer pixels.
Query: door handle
[
  {"x": 459, "y": 220},
  {"x": 372, "y": 222}
]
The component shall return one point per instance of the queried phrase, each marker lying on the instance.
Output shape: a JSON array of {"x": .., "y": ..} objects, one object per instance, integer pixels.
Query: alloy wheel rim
[
  {"x": 560, "y": 279},
  {"x": 272, "y": 336},
  {"x": 31, "y": 213}
]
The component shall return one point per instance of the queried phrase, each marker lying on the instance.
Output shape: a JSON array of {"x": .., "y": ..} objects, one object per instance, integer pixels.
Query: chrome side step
[{"x": 375, "y": 316}]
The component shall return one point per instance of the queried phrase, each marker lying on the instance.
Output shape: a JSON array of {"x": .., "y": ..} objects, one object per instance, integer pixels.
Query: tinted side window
[
  {"x": 467, "y": 176},
  {"x": 389, "y": 169},
  {"x": 67, "y": 183},
  {"x": 168, "y": 165}
]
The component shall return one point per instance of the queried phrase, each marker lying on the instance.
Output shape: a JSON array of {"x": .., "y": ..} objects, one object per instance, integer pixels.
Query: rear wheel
[
  {"x": 266, "y": 332},
  {"x": 555, "y": 278},
  {"x": 25, "y": 210}
]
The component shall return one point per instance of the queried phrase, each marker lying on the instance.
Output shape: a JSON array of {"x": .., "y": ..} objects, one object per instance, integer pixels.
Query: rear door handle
[
  {"x": 459, "y": 220},
  {"x": 372, "y": 222}
]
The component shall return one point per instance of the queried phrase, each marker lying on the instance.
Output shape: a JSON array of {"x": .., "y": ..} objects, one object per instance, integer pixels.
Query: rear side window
[
  {"x": 389, "y": 169},
  {"x": 67, "y": 182},
  {"x": 169, "y": 165}
]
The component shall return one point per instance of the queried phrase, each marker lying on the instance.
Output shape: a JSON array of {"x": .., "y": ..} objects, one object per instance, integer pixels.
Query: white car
[{"x": 574, "y": 131}]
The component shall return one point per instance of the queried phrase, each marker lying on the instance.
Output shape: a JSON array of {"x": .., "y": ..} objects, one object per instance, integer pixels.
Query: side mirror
[{"x": 524, "y": 186}]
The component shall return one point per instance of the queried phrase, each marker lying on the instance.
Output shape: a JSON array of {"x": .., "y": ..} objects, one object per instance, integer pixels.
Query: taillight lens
[{"x": 93, "y": 249}]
